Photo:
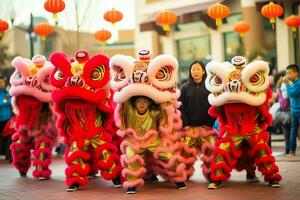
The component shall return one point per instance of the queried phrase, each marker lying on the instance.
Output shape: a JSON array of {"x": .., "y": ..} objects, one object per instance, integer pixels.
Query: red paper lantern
[
  {"x": 113, "y": 16},
  {"x": 54, "y": 6},
  {"x": 43, "y": 30},
  {"x": 103, "y": 35},
  {"x": 3, "y": 25},
  {"x": 272, "y": 11},
  {"x": 165, "y": 19},
  {"x": 241, "y": 27},
  {"x": 218, "y": 12},
  {"x": 293, "y": 22}
]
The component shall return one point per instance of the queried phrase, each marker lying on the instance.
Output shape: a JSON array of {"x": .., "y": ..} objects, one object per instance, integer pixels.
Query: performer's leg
[
  {"x": 20, "y": 148},
  {"x": 189, "y": 150},
  {"x": 264, "y": 159},
  {"x": 225, "y": 155},
  {"x": 78, "y": 168},
  {"x": 207, "y": 139},
  {"x": 43, "y": 157},
  {"x": 134, "y": 170},
  {"x": 169, "y": 163},
  {"x": 107, "y": 158}
]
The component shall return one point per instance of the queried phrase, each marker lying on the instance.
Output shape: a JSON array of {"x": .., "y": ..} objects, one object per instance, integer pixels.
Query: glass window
[
  {"x": 233, "y": 45},
  {"x": 191, "y": 49}
]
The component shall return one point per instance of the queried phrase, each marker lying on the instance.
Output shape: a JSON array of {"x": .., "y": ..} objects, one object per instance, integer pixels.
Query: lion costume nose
[
  {"x": 234, "y": 86},
  {"x": 75, "y": 81},
  {"x": 138, "y": 77}
]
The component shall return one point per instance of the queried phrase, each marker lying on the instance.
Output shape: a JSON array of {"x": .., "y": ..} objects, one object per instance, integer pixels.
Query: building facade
[{"x": 195, "y": 36}]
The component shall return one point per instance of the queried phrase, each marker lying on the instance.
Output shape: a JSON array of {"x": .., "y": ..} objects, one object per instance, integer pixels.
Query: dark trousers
[
  {"x": 5, "y": 142},
  {"x": 294, "y": 131}
]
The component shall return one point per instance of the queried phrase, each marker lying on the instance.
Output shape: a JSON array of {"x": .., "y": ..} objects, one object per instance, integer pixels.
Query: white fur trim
[
  {"x": 242, "y": 97},
  {"x": 220, "y": 69},
  {"x": 156, "y": 64},
  {"x": 250, "y": 70},
  {"x": 139, "y": 89},
  {"x": 126, "y": 63},
  {"x": 41, "y": 75}
]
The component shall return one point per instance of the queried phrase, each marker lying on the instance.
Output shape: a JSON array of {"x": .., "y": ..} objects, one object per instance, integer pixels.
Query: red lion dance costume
[
  {"x": 240, "y": 101},
  {"x": 83, "y": 102},
  {"x": 35, "y": 126},
  {"x": 151, "y": 146}
]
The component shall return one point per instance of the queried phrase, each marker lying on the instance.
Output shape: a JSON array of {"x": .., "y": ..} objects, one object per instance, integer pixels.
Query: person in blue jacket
[
  {"x": 5, "y": 115},
  {"x": 293, "y": 89}
]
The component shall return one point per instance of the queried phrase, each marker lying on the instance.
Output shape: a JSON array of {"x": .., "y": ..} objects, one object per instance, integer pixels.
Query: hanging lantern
[
  {"x": 165, "y": 19},
  {"x": 103, "y": 36},
  {"x": 54, "y": 6},
  {"x": 113, "y": 16},
  {"x": 241, "y": 27},
  {"x": 3, "y": 25},
  {"x": 218, "y": 12},
  {"x": 293, "y": 22},
  {"x": 272, "y": 11},
  {"x": 43, "y": 30}
]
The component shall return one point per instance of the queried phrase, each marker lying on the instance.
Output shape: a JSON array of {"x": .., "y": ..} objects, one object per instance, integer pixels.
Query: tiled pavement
[{"x": 13, "y": 187}]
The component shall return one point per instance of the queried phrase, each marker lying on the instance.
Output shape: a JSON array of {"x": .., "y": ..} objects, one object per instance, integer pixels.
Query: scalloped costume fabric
[
  {"x": 240, "y": 102},
  {"x": 151, "y": 142},
  {"x": 35, "y": 120},
  {"x": 83, "y": 101}
]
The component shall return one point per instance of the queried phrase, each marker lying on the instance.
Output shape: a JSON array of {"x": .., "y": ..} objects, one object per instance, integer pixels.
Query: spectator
[
  {"x": 292, "y": 83},
  {"x": 5, "y": 115},
  {"x": 284, "y": 107}
]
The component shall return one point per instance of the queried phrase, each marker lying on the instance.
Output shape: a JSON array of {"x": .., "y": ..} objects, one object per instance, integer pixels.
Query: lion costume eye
[
  {"x": 98, "y": 73},
  {"x": 58, "y": 75},
  {"x": 257, "y": 79},
  {"x": 164, "y": 73},
  {"x": 18, "y": 76},
  {"x": 216, "y": 80}
]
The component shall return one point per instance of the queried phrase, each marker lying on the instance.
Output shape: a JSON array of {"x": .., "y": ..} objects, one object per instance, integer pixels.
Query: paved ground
[{"x": 13, "y": 187}]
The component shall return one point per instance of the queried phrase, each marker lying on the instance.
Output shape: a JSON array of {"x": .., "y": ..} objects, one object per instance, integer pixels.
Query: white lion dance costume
[
  {"x": 151, "y": 146},
  {"x": 35, "y": 126},
  {"x": 240, "y": 101}
]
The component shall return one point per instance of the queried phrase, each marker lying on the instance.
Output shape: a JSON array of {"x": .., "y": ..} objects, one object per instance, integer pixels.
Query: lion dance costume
[
  {"x": 239, "y": 96},
  {"x": 35, "y": 126},
  {"x": 151, "y": 143},
  {"x": 198, "y": 142},
  {"x": 84, "y": 104}
]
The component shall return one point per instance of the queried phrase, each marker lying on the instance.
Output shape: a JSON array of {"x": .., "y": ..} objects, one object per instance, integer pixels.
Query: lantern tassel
[
  {"x": 103, "y": 43},
  {"x": 54, "y": 16},
  {"x": 218, "y": 22},
  {"x": 43, "y": 38},
  {"x": 166, "y": 27}
]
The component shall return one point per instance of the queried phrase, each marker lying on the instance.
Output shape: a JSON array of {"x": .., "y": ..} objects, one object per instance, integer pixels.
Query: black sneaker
[
  {"x": 274, "y": 184},
  {"x": 22, "y": 174},
  {"x": 154, "y": 178},
  {"x": 73, "y": 187},
  {"x": 180, "y": 185},
  {"x": 41, "y": 178},
  {"x": 117, "y": 182},
  {"x": 131, "y": 190},
  {"x": 251, "y": 178},
  {"x": 213, "y": 185}
]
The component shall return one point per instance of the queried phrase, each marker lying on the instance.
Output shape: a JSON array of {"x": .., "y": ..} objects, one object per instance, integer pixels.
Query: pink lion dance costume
[
  {"x": 35, "y": 126},
  {"x": 240, "y": 101},
  {"x": 151, "y": 146},
  {"x": 84, "y": 104},
  {"x": 198, "y": 142}
]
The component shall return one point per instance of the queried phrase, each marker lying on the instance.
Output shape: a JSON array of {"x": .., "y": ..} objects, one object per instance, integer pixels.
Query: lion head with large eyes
[
  {"x": 237, "y": 82},
  {"x": 31, "y": 78},
  {"x": 81, "y": 77},
  {"x": 153, "y": 78}
]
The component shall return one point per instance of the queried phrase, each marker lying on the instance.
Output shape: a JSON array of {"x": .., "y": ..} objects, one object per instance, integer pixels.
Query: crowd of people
[{"x": 286, "y": 106}]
